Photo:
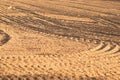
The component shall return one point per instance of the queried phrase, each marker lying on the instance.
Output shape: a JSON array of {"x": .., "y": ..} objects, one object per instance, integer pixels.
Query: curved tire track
[
  {"x": 107, "y": 39},
  {"x": 104, "y": 48}
]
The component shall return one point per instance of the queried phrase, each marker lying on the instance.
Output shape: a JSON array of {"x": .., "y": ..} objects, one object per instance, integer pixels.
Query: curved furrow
[
  {"x": 116, "y": 49},
  {"x": 100, "y": 62},
  {"x": 53, "y": 28},
  {"x": 36, "y": 28},
  {"x": 46, "y": 22},
  {"x": 98, "y": 47},
  {"x": 105, "y": 49},
  {"x": 37, "y": 23}
]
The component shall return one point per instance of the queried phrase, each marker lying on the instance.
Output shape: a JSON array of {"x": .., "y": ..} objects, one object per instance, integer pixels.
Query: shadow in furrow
[
  {"x": 5, "y": 38},
  {"x": 115, "y": 49},
  {"x": 106, "y": 48}
]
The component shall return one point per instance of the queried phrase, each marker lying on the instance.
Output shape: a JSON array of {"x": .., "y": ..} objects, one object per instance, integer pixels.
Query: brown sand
[
  {"x": 60, "y": 39},
  {"x": 1, "y": 37}
]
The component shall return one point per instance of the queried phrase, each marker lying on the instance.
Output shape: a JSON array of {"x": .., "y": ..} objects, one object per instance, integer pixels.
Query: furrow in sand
[
  {"x": 68, "y": 17},
  {"x": 102, "y": 49},
  {"x": 55, "y": 26},
  {"x": 105, "y": 49},
  {"x": 116, "y": 49},
  {"x": 63, "y": 17},
  {"x": 100, "y": 59},
  {"x": 98, "y": 47}
]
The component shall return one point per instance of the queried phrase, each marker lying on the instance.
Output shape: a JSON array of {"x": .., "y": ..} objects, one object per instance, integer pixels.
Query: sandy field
[{"x": 59, "y": 40}]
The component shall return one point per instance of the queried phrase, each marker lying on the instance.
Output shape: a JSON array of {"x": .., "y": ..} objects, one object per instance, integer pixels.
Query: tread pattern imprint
[{"x": 59, "y": 40}]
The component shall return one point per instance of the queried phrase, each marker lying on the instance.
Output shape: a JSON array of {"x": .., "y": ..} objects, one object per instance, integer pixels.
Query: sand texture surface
[{"x": 59, "y": 40}]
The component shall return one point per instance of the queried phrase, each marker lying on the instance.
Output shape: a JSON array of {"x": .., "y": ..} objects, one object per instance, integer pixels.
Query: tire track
[
  {"x": 98, "y": 32},
  {"x": 91, "y": 64},
  {"x": 104, "y": 48},
  {"x": 53, "y": 25},
  {"x": 36, "y": 28},
  {"x": 33, "y": 13}
]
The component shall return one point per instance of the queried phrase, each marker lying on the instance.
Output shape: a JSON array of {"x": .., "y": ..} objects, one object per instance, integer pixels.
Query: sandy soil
[
  {"x": 1, "y": 37},
  {"x": 60, "y": 39}
]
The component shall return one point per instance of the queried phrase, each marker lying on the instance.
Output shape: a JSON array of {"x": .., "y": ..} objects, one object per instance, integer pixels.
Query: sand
[{"x": 60, "y": 39}]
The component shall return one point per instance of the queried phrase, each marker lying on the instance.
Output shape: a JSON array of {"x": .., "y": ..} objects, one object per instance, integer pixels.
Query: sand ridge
[{"x": 57, "y": 40}]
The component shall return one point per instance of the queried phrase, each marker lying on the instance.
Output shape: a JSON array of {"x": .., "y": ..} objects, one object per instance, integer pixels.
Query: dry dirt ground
[{"x": 59, "y": 40}]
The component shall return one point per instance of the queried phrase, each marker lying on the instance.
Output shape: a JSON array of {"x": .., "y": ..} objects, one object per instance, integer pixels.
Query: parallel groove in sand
[{"x": 96, "y": 63}]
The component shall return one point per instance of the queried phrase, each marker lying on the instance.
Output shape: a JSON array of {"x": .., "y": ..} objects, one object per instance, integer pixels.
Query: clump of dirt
[{"x": 3, "y": 37}]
